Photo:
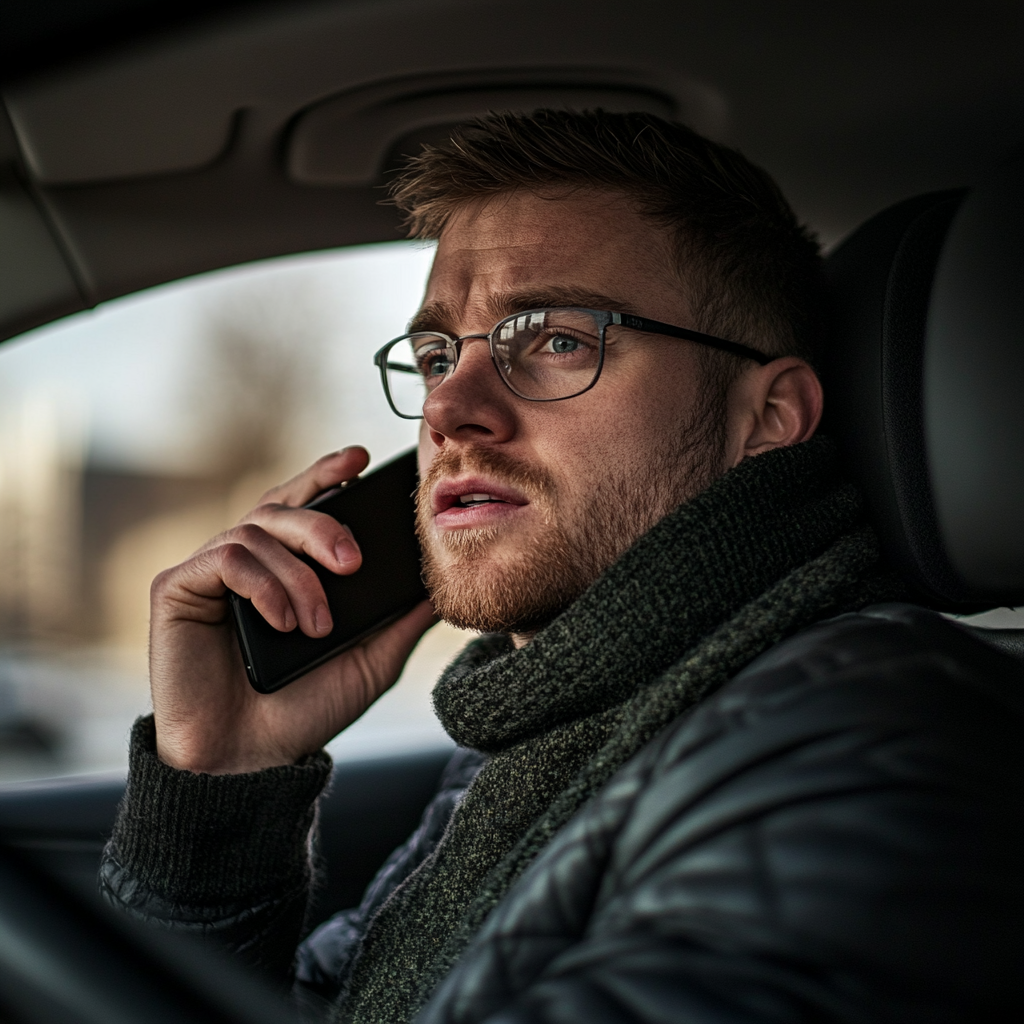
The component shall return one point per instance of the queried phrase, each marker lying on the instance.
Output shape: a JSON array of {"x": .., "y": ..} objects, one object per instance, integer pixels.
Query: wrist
[
  {"x": 219, "y": 764},
  {"x": 205, "y": 758}
]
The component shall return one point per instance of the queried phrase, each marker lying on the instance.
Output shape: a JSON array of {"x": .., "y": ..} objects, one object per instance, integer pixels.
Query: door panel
[{"x": 371, "y": 807}]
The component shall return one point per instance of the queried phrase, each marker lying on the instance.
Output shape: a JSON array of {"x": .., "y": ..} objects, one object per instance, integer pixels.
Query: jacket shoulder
[
  {"x": 901, "y": 692},
  {"x": 885, "y": 641},
  {"x": 826, "y": 836}
]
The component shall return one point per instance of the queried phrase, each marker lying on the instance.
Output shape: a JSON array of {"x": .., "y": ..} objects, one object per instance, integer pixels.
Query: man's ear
[{"x": 773, "y": 406}]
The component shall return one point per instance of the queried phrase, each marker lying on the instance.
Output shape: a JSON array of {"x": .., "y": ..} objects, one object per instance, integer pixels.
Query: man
[{"x": 685, "y": 790}]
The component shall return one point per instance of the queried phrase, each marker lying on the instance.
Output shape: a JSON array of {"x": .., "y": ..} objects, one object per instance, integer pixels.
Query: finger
[
  {"x": 230, "y": 566},
  {"x": 335, "y": 548},
  {"x": 315, "y": 533},
  {"x": 304, "y": 590},
  {"x": 325, "y": 473}
]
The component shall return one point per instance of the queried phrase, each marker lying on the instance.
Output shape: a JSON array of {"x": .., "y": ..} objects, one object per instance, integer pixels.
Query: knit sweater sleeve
[{"x": 226, "y": 857}]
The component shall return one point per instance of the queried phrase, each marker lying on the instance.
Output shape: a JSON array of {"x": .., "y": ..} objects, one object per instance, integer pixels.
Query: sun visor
[{"x": 118, "y": 120}]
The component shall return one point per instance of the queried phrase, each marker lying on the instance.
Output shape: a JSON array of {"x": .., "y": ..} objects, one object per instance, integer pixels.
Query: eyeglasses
[{"x": 542, "y": 355}]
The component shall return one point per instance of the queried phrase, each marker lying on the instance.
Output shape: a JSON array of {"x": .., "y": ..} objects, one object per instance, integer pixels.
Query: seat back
[{"x": 924, "y": 378}]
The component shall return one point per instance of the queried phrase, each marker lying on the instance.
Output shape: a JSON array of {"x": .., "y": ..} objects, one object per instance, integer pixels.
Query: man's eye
[
  {"x": 560, "y": 343},
  {"x": 434, "y": 366}
]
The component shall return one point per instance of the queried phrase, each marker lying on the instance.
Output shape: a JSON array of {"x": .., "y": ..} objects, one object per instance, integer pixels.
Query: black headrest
[{"x": 924, "y": 377}]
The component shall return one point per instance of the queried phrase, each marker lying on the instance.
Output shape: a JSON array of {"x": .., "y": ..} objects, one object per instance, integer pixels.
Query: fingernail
[
  {"x": 345, "y": 551},
  {"x": 322, "y": 619},
  {"x": 289, "y": 619}
]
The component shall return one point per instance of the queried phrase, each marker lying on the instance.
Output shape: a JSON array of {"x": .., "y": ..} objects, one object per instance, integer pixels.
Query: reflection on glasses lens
[
  {"x": 549, "y": 354},
  {"x": 542, "y": 355}
]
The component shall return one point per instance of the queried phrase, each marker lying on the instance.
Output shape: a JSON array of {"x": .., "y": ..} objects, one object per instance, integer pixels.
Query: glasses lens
[
  {"x": 414, "y": 366},
  {"x": 549, "y": 353}
]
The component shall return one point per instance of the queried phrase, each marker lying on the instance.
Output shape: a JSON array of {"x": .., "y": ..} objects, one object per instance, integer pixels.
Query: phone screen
[{"x": 380, "y": 511}]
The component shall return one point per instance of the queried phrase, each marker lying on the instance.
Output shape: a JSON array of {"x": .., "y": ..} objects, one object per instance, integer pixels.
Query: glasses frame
[{"x": 603, "y": 318}]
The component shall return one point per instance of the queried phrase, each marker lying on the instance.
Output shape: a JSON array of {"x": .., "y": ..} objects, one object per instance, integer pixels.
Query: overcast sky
[{"x": 122, "y": 371}]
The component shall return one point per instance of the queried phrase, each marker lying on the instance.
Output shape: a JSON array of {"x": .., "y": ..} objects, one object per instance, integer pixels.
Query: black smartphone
[{"x": 380, "y": 511}]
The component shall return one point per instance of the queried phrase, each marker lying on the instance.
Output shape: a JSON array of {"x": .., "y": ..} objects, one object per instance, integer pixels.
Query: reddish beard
[
  {"x": 473, "y": 585},
  {"x": 470, "y": 585}
]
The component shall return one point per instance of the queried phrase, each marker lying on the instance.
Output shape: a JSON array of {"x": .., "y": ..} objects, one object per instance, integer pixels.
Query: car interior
[{"x": 143, "y": 143}]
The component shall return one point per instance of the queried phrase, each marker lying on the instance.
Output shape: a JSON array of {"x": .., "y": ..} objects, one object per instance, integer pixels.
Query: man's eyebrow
[
  {"x": 507, "y": 303},
  {"x": 443, "y": 316},
  {"x": 434, "y": 316}
]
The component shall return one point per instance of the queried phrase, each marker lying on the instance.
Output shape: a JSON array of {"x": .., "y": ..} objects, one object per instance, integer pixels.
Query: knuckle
[
  {"x": 248, "y": 534},
  {"x": 326, "y": 530},
  {"x": 271, "y": 506},
  {"x": 303, "y": 582},
  {"x": 162, "y": 583},
  {"x": 262, "y": 511},
  {"x": 266, "y": 591},
  {"x": 233, "y": 556},
  {"x": 304, "y": 577}
]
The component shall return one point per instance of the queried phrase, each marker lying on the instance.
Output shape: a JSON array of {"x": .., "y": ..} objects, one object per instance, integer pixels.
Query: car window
[{"x": 132, "y": 433}]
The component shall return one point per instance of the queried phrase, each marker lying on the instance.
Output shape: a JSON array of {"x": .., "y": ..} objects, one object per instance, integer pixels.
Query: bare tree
[{"x": 259, "y": 376}]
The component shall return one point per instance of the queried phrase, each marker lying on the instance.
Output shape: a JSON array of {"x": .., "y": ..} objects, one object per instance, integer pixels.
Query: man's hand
[{"x": 208, "y": 717}]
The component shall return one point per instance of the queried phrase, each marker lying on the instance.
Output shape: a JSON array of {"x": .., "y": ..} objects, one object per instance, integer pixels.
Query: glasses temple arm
[{"x": 641, "y": 323}]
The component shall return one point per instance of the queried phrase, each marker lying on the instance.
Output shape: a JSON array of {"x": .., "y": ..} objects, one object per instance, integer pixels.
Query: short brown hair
[{"x": 753, "y": 271}]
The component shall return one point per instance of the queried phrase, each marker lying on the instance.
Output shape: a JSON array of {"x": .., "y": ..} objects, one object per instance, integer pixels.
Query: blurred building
[
  {"x": 40, "y": 519},
  {"x": 80, "y": 543}
]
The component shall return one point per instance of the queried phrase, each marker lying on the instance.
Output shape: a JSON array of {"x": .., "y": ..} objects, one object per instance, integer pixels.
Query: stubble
[{"x": 476, "y": 583}]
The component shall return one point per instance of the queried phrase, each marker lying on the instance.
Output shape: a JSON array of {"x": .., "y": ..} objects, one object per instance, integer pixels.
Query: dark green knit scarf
[{"x": 774, "y": 545}]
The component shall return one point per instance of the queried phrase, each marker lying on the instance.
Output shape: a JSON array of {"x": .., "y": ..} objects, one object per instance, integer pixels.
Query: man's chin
[
  {"x": 493, "y": 586},
  {"x": 485, "y": 548}
]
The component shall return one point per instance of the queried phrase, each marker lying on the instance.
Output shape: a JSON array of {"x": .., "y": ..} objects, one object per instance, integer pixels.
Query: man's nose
[{"x": 473, "y": 400}]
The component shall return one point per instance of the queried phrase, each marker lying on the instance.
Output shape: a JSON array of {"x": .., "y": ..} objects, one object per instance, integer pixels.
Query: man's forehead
[
  {"x": 521, "y": 219},
  {"x": 524, "y": 252}
]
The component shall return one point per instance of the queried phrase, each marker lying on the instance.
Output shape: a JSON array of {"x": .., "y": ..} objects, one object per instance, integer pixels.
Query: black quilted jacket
[{"x": 834, "y": 836}]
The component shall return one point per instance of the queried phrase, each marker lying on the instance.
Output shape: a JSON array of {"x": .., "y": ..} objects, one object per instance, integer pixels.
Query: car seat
[{"x": 924, "y": 377}]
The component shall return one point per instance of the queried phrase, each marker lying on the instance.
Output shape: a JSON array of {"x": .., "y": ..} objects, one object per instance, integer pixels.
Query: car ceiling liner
[
  {"x": 168, "y": 144},
  {"x": 349, "y": 139},
  {"x": 924, "y": 374}
]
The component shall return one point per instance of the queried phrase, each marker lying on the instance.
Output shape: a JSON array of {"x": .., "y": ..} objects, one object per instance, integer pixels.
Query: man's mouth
[
  {"x": 474, "y": 502},
  {"x": 469, "y": 500}
]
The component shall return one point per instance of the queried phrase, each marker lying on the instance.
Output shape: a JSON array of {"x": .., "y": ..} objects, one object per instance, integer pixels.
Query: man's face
[{"x": 573, "y": 483}]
